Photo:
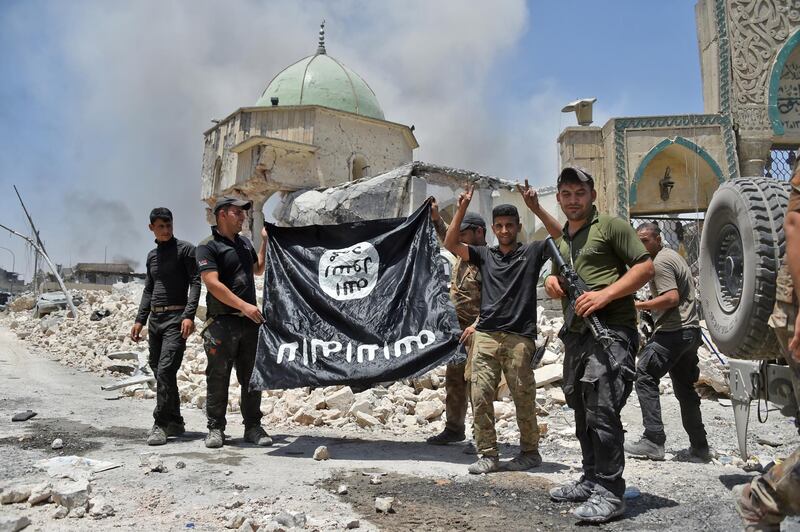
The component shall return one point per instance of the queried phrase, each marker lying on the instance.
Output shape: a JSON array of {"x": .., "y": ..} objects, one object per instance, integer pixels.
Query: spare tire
[{"x": 740, "y": 253}]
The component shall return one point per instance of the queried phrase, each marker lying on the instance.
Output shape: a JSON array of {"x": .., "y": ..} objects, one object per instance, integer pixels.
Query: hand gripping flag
[{"x": 357, "y": 304}]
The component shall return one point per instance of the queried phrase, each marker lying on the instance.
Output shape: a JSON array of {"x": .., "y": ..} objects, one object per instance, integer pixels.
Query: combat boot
[
  {"x": 157, "y": 436},
  {"x": 645, "y": 448},
  {"x": 485, "y": 464},
  {"x": 258, "y": 436},
  {"x": 445, "y": 437},
  {"x": 601, "y": 507},
  {"x": 574, "y": 491},
  {"x": 524, "y": 461},
  {"x": 215, "y": 438},
  {"x": 700, "y": 454},
  {"x": 175, "y": 429}
]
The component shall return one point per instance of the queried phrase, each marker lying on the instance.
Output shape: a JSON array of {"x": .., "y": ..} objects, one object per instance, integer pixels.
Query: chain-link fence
[
  {"x": 681, "y": 233},
  {"x": 781, "y": 162}
]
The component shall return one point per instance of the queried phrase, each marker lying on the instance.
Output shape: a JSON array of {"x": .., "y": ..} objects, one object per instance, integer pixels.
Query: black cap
[
  {"x": 230, "y": 200},
  {"x": 572, "y": 173},
  {"x": 472, "y": 219}
]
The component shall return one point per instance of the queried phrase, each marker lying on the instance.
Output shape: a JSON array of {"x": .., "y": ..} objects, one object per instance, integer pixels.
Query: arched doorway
[{"x": 675, "y": 176}]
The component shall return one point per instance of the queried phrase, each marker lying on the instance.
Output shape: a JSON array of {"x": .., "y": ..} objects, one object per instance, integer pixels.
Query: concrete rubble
[
  {"x": 401, "y": 407},
  {"x": 13, "y": 523},
  {"x": 73, "y": 498}
]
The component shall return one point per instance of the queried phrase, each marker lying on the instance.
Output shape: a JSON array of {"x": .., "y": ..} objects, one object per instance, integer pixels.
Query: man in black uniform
[
  {"x": 606, "y": 253},
  {"x": 171, "y": 272},
  {"x": 227, "y": 262}
]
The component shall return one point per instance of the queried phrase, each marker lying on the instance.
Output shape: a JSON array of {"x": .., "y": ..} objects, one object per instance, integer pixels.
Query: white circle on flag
[{"x": 349, "y": 273}]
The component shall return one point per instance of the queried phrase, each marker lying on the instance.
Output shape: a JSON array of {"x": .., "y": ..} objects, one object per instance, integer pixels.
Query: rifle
[{"x": 575, "y": 287}]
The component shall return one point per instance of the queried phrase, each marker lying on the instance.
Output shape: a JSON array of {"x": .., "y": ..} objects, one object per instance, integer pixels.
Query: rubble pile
[
  {"x": 72, "y": 499},
  {"x": 409, "y": 405}
]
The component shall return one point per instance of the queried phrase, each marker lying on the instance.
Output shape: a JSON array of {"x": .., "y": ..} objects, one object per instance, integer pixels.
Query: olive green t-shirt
[
  {"x": 601, "y": 252},
  {"x": 672, "y": 273}
]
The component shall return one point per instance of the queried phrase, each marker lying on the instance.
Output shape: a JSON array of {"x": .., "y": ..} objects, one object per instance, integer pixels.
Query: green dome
[{"x": 322, "y": 80}]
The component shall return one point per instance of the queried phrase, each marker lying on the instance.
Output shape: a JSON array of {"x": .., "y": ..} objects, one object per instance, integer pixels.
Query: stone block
[
  {"x": 341, "y": 400},
  {"x": 13, "y": 523},
  {"x": 13, "y": 494},
  {"x": 72, "y": 494},
  {"x": 548, "y": 374}
]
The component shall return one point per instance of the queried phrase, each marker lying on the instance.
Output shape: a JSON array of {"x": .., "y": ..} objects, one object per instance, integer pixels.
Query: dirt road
[{"x": 430, "y": 484}]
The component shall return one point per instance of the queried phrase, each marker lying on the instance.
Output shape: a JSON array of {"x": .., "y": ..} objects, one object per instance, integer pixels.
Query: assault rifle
[{"x": 575, "y": 286}]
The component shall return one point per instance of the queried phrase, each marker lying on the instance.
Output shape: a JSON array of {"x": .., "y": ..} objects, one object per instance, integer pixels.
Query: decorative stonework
[
  {"x": 649, "y": 122},
  {"x": 724, "y": 57},
  {"x": 751, "y": 32},
  {"x": 752, "y": 119}
]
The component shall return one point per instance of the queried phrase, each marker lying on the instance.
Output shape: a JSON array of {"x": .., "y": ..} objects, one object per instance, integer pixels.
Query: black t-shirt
[
  {"x": 171, "y": 271},
  {"x": 233, "y": 261},
  {"x": 508, "y": 289}
]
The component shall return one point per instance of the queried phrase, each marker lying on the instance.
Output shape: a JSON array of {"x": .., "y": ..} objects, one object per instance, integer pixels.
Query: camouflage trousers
[
  {"x": 782, "y": 322},
  {"x": 770, "y": 497},
  {"x": 457, "y": 388},
  {"x": 495, "y": 354}
]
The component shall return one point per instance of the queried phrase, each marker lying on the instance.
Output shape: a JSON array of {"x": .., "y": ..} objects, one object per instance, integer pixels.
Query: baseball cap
[
  {"x": 573, "y": 173},
  {"x": 472, "y": 219},
  {"x": 230, "y": 200}
]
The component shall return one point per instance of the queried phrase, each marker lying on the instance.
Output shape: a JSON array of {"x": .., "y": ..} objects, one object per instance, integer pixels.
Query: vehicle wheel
[{"x": 740, "y": 253}]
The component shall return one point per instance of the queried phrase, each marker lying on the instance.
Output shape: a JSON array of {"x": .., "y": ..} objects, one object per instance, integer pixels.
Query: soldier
[
  {"x": 465, "y": 291},
  {"x": 503, "y": 342},
  {"x": 769, "y": 498},
  {"x": 171, "y": 273},
  {"x": 600, "y": 249},
  {"x": 227, "y": 262},
  {"x": 672, "y": 349}
]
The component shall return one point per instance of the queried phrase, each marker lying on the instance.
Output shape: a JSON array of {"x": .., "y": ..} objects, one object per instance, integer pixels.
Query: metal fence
[
  {"x": 781, "y": 162},
  {"x": 681, "y": 233}
]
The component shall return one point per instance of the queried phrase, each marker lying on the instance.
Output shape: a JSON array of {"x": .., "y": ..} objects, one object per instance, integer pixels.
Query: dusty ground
[{"x": 430, "y": 484}]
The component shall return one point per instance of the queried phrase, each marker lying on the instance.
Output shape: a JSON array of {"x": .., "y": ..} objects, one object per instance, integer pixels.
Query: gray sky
[{"x": 103, "y": 104}]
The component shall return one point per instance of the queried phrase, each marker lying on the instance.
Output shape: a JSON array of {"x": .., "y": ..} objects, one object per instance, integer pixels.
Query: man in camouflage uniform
[
  {"x": 503, "y": 343},
  {"x": 768, "y": 498},
  {"x": 465, "y": 291}
]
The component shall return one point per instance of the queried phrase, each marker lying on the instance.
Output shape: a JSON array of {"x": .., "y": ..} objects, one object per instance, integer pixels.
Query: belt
[
  {"x": 167, "y": 308},
  {"x": 237, "y": 314}
]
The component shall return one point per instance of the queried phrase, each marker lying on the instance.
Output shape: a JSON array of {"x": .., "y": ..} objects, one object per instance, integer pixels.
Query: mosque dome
[{"x": 320, "y": 79}]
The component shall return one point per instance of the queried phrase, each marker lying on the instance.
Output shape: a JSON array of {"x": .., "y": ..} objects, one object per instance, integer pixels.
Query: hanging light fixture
[{"x": 665, "y": 184}]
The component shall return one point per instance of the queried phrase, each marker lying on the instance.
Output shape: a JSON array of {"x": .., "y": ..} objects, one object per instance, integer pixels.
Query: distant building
[
  {"x": 103, "y": 273},
  {"x": 10, "y": 281}
]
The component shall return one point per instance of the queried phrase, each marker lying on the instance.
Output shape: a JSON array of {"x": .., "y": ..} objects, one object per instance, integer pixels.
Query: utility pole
[
  {"x": 39, "y": 246},
  {"x": 53, "y": 268}
]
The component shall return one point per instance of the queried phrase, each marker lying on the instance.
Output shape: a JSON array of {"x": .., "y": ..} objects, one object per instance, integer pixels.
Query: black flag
[{"x": 356, "y": 303}]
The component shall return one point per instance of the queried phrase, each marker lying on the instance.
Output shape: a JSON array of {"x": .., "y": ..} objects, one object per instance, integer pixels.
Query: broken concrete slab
[
  {"x": 548, "y": 374},
  {"x": 74, "y": 467},
  {"x": 366, "y": 421},
  {"x": 72, "y": 495},
  {"x": 14, "y": 494},
  {"x": 341, "y": 399},
  {"x": 429, "y": 409},
  {"x": 13, "y": 523},
  {"x": 40, "y": 493}
]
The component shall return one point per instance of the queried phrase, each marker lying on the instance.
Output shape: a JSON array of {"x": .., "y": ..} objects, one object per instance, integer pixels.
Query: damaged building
[{"x": 318, "y": 142}]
